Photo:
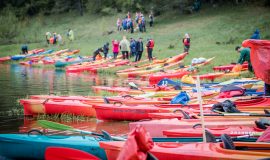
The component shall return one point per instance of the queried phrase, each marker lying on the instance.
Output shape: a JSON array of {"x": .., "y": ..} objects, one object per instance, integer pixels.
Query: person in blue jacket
[
  {"x": 133, "y": 49},
  {"x": 256, "y": 35}
]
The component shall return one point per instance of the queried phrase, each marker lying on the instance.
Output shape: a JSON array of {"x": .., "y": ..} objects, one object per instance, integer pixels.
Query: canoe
[
  {"x": 124, "y": 112},
  {"x": 24, "y": 146},
  {"x": 33, "y": 107},
  {"x": 232, "y": 131},
  {"x": 228, "y": 67},
  {"x": 195, "y": 151},
  {"x": 168, "y": 124}
]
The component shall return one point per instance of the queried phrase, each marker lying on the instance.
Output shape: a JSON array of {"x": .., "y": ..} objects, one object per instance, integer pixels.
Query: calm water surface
[{"x": 18, "y": 82}]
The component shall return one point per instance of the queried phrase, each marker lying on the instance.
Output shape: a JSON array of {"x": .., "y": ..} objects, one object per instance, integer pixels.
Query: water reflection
[{"x": 18, "y": 82}]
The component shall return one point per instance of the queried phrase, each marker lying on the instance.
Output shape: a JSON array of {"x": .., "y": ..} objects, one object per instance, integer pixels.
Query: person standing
[
  {"x": 150, "y": 45},
  {"x": 59, "y": 39},
  {"x": 48, "y": 36},
  {"x": 106, "y": 50},
  {"x": 186, "y": 42},
  {"x": 124, "y": 47},
  {"x": 151, "y": 17},
  {"x": 115, "y": 47},
  {"x": 132, "y": 47},
  {"x": 244, "y": 56},
  {"x": 139, "y": 49},
  {"x": 119, "y": 23},
  {"x": 70, "y": 35}
]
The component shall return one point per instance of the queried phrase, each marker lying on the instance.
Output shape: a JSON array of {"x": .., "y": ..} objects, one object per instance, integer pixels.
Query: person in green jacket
[
  {"x": 70, "y": 35},
  {"x": 244, "y": 56}
]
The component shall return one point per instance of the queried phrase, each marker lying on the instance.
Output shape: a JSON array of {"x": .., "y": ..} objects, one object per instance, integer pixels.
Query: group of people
[
  {"x": 128, "y": 48},
  {"x": 128, "y": 24},
  {"x": 54, "y": 38}
]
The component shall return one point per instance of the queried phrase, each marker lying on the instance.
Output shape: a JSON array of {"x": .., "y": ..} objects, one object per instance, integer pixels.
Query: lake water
[{"x": 18, "y": 82}]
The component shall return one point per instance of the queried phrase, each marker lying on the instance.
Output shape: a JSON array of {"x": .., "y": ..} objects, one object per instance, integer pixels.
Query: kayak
[
  {"x": 53, "y": 153},
  {"x": 107, "y": 66},
  {"x": 168, "y": 124},
  {"x": 154, "y": 64},
  {"x": 168, "y": 90},
  {"x": 228, "y": 67},
  {"x": 232, "y": 131},
  {"x": 4, "y": 59},
  {"x": 195, "y": 151},
  {"x": 174, "y": 74},
  {"x": 147, "y": 70},
  {"x": 34, "y": 107},
  {"x": 24, "y": 146},
  {"x": 155, "y": 78},
  {"x": 124, "y": 112}
]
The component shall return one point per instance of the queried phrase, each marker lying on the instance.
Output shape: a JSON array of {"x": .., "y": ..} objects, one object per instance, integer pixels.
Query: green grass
[{"x": 207, "y": 27}]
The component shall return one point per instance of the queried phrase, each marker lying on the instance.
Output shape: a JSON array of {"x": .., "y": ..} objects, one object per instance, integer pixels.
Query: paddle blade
[
  {"x": 54, "y": 125},
  {"x": 62, "y": 153}
]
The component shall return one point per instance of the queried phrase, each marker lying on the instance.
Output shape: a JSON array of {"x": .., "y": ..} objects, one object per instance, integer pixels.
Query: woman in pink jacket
[{"x": 115, "y": 48}]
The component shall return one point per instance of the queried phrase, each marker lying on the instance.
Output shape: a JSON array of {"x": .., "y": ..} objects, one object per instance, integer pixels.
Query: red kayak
[
  {"x": 229, "y": 67},
  {"x": 62, "y": 153},
  {"x": 4, "y": 59},
  {"x": 195, "y": 151},
  {"x": 34, "y": 107},
  {"x": 168, "y": 124},
  {"x": 232, "y": 131},
  {"x": 155, "y": 78},
  {"x": 124, "y": 112}
]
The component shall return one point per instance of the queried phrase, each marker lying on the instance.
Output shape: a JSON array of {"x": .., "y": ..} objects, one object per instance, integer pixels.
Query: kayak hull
[
  {"x": 18, "y": 146},
  {"x": 194, "y": 151}
]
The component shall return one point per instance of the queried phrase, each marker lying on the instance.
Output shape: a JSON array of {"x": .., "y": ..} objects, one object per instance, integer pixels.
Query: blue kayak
[
  {"x": 24, "y": 146},
  {"x": 18, "y": 57}
]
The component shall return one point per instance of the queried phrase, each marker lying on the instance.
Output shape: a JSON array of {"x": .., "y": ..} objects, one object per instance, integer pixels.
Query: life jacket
[
  {"x": 186, "y": 42},
  {"x": 152, "y": 43}
]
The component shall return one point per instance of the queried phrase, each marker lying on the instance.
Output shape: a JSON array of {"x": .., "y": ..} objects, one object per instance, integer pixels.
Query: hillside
[{"x": 214, "y": 32}]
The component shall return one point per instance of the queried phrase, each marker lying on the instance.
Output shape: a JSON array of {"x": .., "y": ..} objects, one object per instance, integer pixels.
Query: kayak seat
[
  {"x": 262, "y": 123},
  {"x": 210, "y": 137},
  {"x": 35, "y": 131},
  {"x": 227, "y": 142},
  {"x": 185, "y": 114}
]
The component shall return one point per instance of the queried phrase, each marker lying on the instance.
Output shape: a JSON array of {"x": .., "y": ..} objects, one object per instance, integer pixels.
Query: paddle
[
  {"x": 132, "y": 84},
  {"x": 63, "y": 153},
  {"x": 62, "y": 127}
]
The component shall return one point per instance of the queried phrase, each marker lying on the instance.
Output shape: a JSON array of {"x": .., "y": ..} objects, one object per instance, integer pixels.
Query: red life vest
[
  {"x": 186, "y": 42},
  {"x": 152, "y": 43}
]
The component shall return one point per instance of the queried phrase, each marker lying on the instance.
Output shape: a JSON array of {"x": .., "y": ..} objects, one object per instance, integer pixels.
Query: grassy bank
[{"x": 214, "y": 32}]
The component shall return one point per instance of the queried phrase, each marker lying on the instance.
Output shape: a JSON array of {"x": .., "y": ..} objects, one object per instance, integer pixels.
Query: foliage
[{"x": 9, "y": 27}]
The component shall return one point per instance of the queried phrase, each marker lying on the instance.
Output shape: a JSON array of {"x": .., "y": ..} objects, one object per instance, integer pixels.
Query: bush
[{"x": 9, "y": 28}]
